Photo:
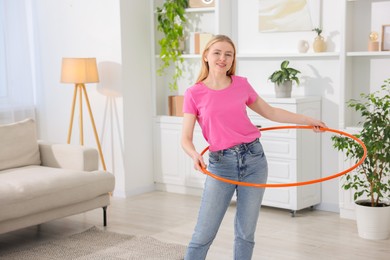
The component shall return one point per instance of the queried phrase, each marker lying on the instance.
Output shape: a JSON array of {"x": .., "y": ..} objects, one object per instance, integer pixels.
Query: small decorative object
[
  {"x": 319, "y": 44},
  {"x": 371, "y": 179},
  {"x": 385, "y": 37},
  {"x": 201, "y": 3},
  {"x": 198, "y": 41},
  {"x": 373, "y": 44},
  {"x": 176, "y": 105},
  {"x": 303, "y": 46},
  {"x": 283, "y": 80}
]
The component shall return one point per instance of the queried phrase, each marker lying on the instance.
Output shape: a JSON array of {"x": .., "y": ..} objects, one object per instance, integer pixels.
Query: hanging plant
[{"x": 171, "y": 20}]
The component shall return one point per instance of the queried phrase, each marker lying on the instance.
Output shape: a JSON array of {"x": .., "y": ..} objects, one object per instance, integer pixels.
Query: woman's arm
[
  {"x": 187, "y": 141},
  {"x": 283, "y": 116}
]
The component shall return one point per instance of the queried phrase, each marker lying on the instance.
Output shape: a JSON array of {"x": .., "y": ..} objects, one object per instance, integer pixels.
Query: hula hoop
[{"x": 278, "y": 185}]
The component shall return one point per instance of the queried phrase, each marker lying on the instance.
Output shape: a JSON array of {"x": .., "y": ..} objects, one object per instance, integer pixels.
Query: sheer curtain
[{"x": 16, "y": 78}]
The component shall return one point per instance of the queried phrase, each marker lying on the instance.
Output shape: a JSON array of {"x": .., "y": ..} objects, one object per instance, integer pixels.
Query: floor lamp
[{"x": 80, "y": 71}]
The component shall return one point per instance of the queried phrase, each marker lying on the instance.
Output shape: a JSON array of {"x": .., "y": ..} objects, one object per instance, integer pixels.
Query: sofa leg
[{"x": 105, "y": 216}]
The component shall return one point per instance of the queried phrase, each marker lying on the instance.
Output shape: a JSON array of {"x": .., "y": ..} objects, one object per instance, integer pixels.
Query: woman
[{"x": 218, "y": 102}]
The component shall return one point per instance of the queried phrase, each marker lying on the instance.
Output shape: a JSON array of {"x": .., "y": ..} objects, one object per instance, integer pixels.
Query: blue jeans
[{"x": 244, "y": 162}]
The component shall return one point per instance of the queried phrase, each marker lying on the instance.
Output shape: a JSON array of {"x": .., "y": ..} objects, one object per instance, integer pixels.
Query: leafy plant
[
  {"x": 372, "y": 178},
  {"x": 171, "y": 20},
  {"x": 284, "y": 74},
  {"x": 318, "y": 31}
]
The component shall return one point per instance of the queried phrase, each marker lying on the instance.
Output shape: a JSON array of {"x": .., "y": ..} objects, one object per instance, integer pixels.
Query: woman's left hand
[{"x": 317, "y": 124}]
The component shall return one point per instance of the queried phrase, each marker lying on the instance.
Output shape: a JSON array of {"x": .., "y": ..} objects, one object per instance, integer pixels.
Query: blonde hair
[{"x": 204, "y": 72}]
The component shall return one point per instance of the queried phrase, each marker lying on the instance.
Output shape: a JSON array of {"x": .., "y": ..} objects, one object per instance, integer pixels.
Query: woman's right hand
[{"x": 198, "y": 162}]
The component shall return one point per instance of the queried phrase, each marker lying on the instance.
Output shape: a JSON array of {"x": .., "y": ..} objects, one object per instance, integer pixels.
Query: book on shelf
[{"x": 198, "y": 41}]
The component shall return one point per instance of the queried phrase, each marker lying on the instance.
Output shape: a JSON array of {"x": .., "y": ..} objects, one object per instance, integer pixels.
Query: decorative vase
[
  {"x": 319, "y": 44},
  {"x": 373, "y": 46},
  {"x": 372, "y": 222},
  {"x": 303, "y": 46},
  {"x": 284, "y": 89}
]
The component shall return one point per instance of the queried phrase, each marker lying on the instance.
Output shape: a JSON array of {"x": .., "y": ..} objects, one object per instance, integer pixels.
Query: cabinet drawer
[
  {"x": 281, "y": 171},
  {"x": 283, "y": 133},
  {"x": 278, "y": 197},
  {"x": 280, "y": 148}
]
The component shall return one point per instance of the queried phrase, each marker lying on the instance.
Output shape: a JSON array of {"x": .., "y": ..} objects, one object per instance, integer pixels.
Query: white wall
[
  {"x": 92, "y": 28},
  {"x": 137, "y": 85},
  {"x": 118, "y": 32}
]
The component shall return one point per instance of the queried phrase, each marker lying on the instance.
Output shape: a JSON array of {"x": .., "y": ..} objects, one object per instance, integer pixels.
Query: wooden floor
[{"x": 171, "y": 218}]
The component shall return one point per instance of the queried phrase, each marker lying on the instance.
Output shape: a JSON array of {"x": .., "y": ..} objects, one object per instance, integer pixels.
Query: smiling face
[{"x": 220, "y": 57}]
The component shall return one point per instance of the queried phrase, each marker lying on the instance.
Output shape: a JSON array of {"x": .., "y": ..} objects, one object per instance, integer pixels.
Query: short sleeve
[
  {"x": 189, "y": 104},
  {"x": 252, "y": 94}
]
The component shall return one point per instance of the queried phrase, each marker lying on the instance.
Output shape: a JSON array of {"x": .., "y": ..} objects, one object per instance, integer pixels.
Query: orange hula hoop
[{"x": 278, "y": 185}]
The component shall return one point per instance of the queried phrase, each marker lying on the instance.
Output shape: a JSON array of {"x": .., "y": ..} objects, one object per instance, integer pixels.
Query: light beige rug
[{"x": 97, "y": 244}]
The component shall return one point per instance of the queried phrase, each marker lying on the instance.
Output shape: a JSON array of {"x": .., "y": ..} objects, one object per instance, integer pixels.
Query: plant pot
[
  {"x": 319, "y": 44},
  {"x": 372, "y": 222},
  {"x": 283, "y": 90}
]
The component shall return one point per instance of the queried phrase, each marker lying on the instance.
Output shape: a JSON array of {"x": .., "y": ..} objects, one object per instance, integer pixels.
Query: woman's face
[{"x": 220, "y": 57}]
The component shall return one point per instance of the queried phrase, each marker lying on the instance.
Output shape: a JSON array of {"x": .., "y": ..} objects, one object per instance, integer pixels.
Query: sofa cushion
[
  {"x": 31, "y": 189},
  {"x": 19, "y": 145}
]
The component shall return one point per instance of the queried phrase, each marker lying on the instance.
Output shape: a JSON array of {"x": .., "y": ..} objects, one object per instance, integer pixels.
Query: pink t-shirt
[{"x": 222, "y": 113}]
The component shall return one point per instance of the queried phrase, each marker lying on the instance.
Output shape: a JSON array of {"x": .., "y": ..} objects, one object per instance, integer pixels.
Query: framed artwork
[
  {"x": 288, "y": 16},
  {"x": 385, "y": 37}
]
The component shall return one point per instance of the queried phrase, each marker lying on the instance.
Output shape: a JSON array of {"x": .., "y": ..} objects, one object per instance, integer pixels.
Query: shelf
[
  {"x": 366, "y": 0},
  {"x": 287, "y": 55},
  {"x": 200, "y": 10},
  {"x": 273, "y": 55},
  {"x": 169, "y": 119},
  {"x": 369, "y": 54}
]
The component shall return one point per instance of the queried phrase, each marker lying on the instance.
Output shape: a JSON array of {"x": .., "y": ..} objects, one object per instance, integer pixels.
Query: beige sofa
[{"x": 41, "y": 181}]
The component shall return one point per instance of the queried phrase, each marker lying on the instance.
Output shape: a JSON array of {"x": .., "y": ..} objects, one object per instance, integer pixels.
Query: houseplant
[
  {"x": 319, "y": 44},
  {"x": 371, "y": 181},
  {"x": 170, "y": 21},
  {"x": 283, "y": 79}
]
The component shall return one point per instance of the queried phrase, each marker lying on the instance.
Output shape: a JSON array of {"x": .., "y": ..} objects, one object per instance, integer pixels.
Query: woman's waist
[{"x": 239, "y": 147}]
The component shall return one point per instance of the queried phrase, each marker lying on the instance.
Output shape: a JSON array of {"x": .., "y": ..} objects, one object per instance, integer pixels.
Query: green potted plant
[
  {"x": 371, "y": 181},
  {"x": 171, "y": 21},
  {"x": 283, "y": 79},
  {"x": 319, "y": 44}
]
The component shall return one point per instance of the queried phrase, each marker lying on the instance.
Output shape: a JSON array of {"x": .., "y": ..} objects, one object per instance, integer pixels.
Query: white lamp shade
[{"x": 79, "y": 70}]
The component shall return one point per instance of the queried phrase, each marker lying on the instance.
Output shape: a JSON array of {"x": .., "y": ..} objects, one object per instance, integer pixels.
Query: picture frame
[
  {"x": 288, "y": 16},
  {"x": 385, "y": 37}
]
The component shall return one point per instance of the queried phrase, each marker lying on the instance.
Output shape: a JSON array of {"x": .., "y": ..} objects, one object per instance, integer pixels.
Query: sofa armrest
[{"x": 68, "y": 156}]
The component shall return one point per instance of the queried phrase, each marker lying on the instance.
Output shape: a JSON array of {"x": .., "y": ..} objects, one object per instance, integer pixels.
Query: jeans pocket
[
  {"x": 214, "y": 157},
  {"x": 256, "y": 149}
]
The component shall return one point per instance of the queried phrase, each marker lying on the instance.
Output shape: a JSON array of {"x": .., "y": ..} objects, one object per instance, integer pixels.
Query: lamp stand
[{"x": 80, "y": 89}]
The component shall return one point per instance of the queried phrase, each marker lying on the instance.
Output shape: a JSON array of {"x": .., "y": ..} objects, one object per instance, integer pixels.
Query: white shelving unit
[
  {"x": 362, "y": 71},
  {"x": 350, "y": 66},
  {"x": 215, "y": 20}
]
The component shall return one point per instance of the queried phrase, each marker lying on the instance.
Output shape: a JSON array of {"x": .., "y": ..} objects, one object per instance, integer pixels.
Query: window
[
  {"x": 3, "y": 78},
  {"x": 16, "y": 79}
]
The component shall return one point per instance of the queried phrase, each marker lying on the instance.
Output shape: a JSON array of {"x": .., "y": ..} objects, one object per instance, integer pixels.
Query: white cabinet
[
  {"x": 174, "y": 169},
  {"x": 293, "y": 156}
]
